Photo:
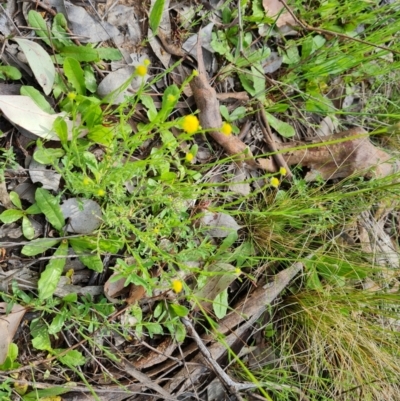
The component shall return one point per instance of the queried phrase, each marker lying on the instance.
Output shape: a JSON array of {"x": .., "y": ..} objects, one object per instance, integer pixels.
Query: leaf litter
[{"x": 348, "y": 152}]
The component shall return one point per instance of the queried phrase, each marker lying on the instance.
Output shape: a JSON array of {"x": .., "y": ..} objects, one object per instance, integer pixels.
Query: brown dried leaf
[
  {"x": 273, "y": 8},
  {"x": 8, "y": 326}
]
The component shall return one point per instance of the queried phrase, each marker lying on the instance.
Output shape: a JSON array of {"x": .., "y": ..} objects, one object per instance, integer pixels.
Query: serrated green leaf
[
  {"x": 48, "y": 156},
  {"x": 49, "y": 206},
  {"x": 109, "y": 53},
  {"x": 72, "y": 358},
  {"x": 14, "y": 197},
  {"x": 40, "y": 335},
  {"x": 101, "y": 134},
  {"x": 11, "y": 215},
  {"x": 80, "y": 53},
  {"x": 36, "y": 21},
  {"x": 50, "y": 277},
  {"x": 156, "y": 14},
  {"x": 74, "y": 73},
  {"x": 27, "y": 228},
  {"x": 39, "y": 245},
  {"x": 37, "y": 97}
]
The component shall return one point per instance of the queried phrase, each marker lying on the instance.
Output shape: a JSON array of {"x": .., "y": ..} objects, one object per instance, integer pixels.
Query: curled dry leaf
[
  {"x": 275, "y": 8},
  {"x": 8, "y": 326}
]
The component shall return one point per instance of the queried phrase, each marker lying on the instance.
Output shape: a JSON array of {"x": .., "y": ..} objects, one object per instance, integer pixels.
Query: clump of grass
[{"x": 340, "y": 343}]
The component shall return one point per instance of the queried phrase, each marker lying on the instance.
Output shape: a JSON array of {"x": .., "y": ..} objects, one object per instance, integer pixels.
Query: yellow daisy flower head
[
  {"x": 86, "y": 181},
  {"x": 71, "y": 96},
  {"x": 146, "y": 62},
  {"x": 274, "y": 182},
  {"x": 226, "y": 129},
  {"x": 177, "y": 286},
  {"x": 190, "y": 124},
  {"x": 100, "y": 192},
  {"x": 189, "y": 157},
  {"x": 282, "y": 171},
  {"x": 141, "y": 70}
]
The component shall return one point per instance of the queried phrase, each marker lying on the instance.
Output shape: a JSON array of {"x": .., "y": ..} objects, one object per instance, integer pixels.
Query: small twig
[
  {"x": 341, "y": 35},
  {"x": 231, "y": 385}
]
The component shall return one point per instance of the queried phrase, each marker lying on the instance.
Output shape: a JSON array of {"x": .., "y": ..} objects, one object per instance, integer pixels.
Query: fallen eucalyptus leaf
[
  {"x": 23, "y": 112},
  {"x": 40, "y": 63},
  {"x": 48, "y": 178},
  {"x": 220, "y": 224},
  {"x": 84, "y": 215}
]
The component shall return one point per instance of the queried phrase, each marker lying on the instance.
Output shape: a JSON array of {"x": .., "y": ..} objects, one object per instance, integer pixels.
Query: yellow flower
[
  {"x": 101, "y": 192},
  {"x": 141, "y": 70},
  {"x": 226, "y": 129},
  {"x": 190, "y": 124},
  {"x": 274, "y": 182},
  {"x": 238, "y": 271},
  {"x": 177, "y": 286},
  {"x": 71, "y": 96},
  {"x": 146, "y": 62},
  {"x": 195, "y": 73},
  {"x": 86, "y": 181},
  {"x": 189, "y": 157},
  {"x": 282, "y": 171}
]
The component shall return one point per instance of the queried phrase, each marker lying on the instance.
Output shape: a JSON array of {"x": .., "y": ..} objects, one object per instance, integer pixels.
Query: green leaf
[
  {"x": 291, "y": 56},
  {"x": 27, "y": 228},
  {"x": 80, "y": 53},
  {"x": 33, "y": 209},
  {"x": 60, "y": 35},
  {"x": 40, "y": 335},
  {"x": 36, "y": 21},
  {"x": 109, "y": 53},
  {"x": 48, "y": 156},
  {"x": 148, "y": 102},
  {"x": 37, "y": 97},
  {"x": 48, "y": 393},
  {"x": 11, "y": 215},
  {"x": 179, "y": 332},
  {"x": 284, "y": 129},
  {"x": 9, "y": 72},
  {"x": 57, "y": 323},
  {"x": 220, "y": 304},
  {"x": 156, "y": 14},
  {"x": 50, "y": 207},
  {"x": 50, "y": 277},
  {"x": 39, "y": 245},
  {"x": 92, "y": 261},
  {"x": 169, "y": 101},
  {"x": 14, "y": 197},
  {"x": 90, "y": 79},
  {"x": 72, "y": 358},
  {"x": 224, "y": 112},
  {"x": 238, "y": 113},
  {"x": 179, "y": 310},
  {"x": 74, "y": 73},
  {"x": 101, "y": 134},
  {"x": 61, "y": 129}
]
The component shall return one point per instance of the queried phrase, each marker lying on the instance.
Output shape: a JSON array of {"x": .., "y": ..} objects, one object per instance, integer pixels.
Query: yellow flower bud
[
  {"x": 226, "y": 129},
  {"x": 177, "y": 286},
  {"x": 282, "y": 171},
  {"x": 141, "y": 70},
  {"x": 274, "y": 182},
  {"x": 101, "y": 192},
  {"x": 189, "y": 157}
]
